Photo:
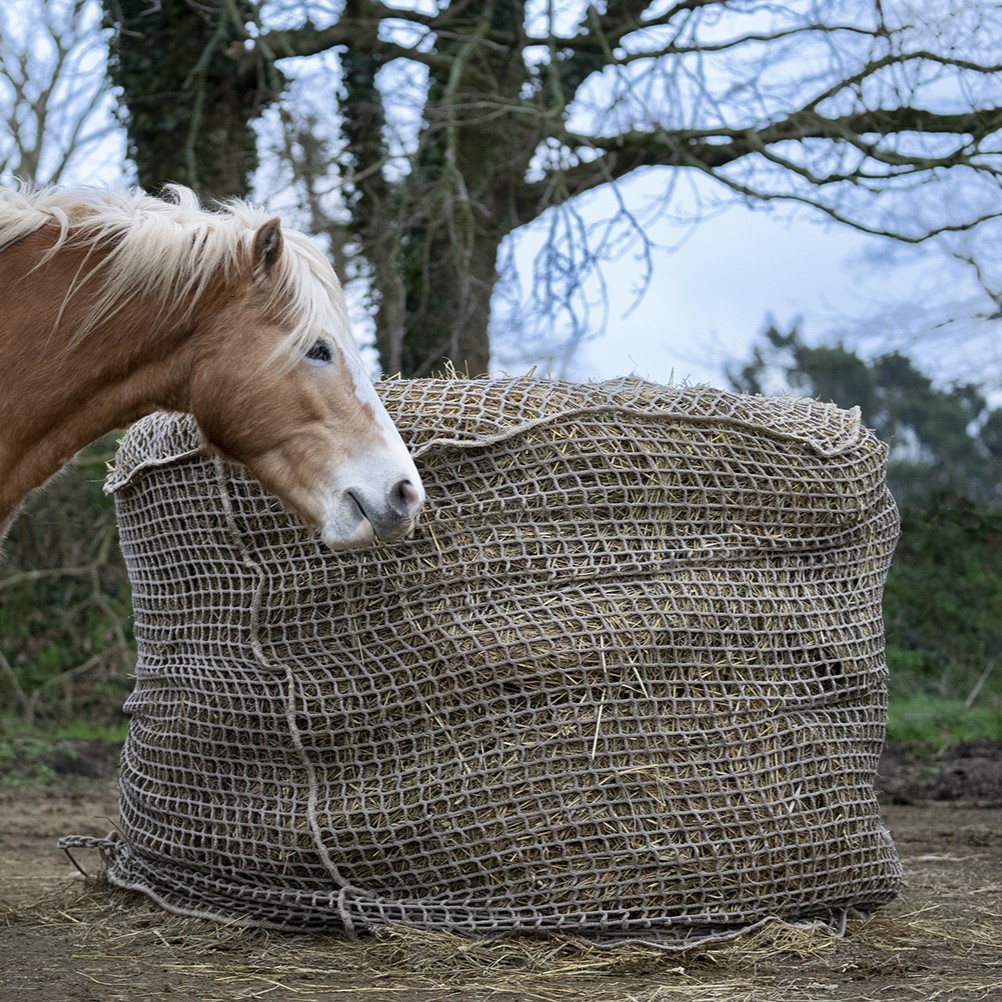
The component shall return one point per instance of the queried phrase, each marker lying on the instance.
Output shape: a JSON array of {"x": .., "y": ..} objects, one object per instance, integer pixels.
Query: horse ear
[{"x": 267, "y": 248}]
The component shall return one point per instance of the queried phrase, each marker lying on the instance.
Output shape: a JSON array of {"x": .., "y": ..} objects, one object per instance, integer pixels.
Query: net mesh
[{"x": 626, "y": 679}]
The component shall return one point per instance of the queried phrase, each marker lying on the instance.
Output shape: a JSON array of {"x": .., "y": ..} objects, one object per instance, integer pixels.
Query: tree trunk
[
  {"x": 448, "y": 305},
  {"x": 190, "y": 92},
  {"x": 432, "y": 236}
]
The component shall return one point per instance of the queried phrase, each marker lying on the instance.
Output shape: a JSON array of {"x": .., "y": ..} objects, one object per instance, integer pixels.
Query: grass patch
[
  {"x": 23, "y": 761},
  {"x": 929, "y": 721},
  {"x": 36, "y": 757},
  {"x": 86, "y": 730}
]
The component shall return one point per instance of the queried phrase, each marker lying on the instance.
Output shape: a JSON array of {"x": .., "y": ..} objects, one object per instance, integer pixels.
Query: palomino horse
[{"x": 118, "y": 304}]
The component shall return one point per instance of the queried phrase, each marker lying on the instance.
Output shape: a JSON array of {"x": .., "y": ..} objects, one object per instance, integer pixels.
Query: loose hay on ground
[{"x": 901, "y": 946}]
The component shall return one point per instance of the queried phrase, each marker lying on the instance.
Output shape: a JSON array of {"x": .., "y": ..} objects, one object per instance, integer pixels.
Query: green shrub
[
  {"x": 66, "y": 648},
  {"x": 931, "y": 722},
  {"x": 943, "y": 618}
]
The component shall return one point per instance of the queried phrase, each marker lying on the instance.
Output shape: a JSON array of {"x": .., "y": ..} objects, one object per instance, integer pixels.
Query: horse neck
[{"x": 58, "y": 394}]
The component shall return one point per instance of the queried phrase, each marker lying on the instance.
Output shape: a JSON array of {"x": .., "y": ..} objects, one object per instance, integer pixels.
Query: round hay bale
[{"x": 627, "y": 678}]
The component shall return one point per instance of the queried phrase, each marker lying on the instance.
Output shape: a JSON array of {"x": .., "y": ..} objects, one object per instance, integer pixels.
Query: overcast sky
[
  {"x": 715, "y": 285},
  {"x": 712, "y": 296}
]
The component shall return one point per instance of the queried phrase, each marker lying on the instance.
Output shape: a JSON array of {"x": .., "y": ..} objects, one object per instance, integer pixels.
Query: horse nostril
[{"x": 405, "y": 498}]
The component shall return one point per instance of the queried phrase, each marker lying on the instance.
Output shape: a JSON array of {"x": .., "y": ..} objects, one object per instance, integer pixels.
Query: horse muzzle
[{"x": 360, "y": 517}]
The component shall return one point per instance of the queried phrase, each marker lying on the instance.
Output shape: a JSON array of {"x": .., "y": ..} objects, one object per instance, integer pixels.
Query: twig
[{"x": 969, "y": 702}]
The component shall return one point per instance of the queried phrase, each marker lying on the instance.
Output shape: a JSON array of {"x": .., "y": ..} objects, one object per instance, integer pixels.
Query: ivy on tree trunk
[{"x": 190, "y": 92}]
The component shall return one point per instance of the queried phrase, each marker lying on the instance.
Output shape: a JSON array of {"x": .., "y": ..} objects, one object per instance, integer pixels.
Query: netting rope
[{"x": 627, "y": 679}]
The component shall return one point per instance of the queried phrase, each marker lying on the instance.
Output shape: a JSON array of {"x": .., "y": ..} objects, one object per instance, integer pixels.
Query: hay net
[{"x": 627, "y": 678}]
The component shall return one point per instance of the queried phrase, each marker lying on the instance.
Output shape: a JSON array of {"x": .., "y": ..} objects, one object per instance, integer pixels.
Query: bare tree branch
[
  {"x": 711, "y": 149},
  {"x": 521, "y": 108},
  {"x": 53, "y": 113}
]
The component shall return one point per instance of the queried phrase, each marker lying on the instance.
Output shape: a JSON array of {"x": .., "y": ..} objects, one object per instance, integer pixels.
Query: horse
[{"x": 116, "y": 304}]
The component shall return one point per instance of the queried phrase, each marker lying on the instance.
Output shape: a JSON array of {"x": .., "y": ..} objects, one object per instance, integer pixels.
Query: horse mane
[{"x": 172, "y": 249}]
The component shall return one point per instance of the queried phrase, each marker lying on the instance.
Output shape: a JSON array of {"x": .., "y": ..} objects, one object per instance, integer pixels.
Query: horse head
[{"x": 280, "y": 386}]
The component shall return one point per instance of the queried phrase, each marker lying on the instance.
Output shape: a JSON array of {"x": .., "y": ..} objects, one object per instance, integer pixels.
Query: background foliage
[
  {"x": 66, "y": 650},
  {"x": 416, "y": 139}
]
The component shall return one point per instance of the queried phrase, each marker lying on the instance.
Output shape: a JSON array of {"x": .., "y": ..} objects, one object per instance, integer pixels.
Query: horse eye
[{"x": 321, "y": 353}]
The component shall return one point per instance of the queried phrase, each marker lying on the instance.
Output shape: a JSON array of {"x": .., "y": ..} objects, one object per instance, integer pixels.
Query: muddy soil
[{"x": 64, "y": 938}]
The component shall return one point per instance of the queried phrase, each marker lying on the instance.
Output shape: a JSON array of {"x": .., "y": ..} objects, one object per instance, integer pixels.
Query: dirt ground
[{"x": 64, "y": 938}]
